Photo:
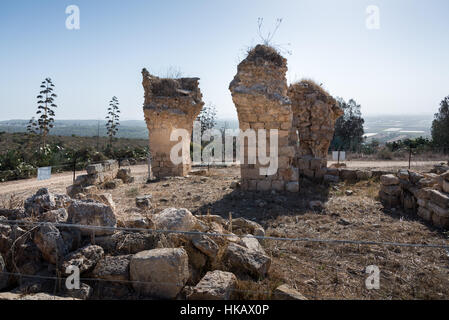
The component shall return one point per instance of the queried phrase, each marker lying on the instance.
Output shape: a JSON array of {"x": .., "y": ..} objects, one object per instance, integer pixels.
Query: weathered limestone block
[
  {"x": 160, "y": 273},
  {"x": 389, "y": 180},
  {"x": 285, "y": 292},
  {"x": 175, "y": 219},
  {"x": 259, "y": 92},
  {"x": 84, "y": 258},
  {"x": 425, "y": 213},
  {"x": 91, "y": 213},
  {"x": 215, "y": 285},
  {"x": 314, "y": 115},
  {"x": 440, "y": 198},
  {"x": 170, "y": 104},
  {"x": 394, "y": 191},
  {"x": 244, "y": 260},
  {"x": 113, "y": 268},
  {"x": 51, "y": 243}
]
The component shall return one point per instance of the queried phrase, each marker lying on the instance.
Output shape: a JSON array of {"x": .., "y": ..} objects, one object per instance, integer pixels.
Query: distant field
[
  {"x": 14, "y": 141},
  {"x": 385, "y": 128},
  {"x": 391, "y": 128}
]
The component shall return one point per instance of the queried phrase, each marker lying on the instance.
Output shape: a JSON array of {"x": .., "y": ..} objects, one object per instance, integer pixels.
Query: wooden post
[
  {"x": 74, "y": 169},
  {"x": 410, "y": 157}
]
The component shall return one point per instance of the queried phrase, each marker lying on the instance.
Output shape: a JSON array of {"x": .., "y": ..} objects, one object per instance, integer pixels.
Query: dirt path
[
  {"x": 60, "y": 181},
  {"x": 388, "y": 164}
]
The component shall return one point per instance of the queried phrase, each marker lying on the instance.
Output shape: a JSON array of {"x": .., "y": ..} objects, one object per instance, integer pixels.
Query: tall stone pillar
[
  {"x": 314, "y": 115},
  {"x": 259, "y": 92},
  {"x": 169, "y": 104}
]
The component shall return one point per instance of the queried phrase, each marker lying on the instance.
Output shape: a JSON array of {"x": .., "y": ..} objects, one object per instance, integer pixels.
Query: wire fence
[{"x": 334, "y": 272}]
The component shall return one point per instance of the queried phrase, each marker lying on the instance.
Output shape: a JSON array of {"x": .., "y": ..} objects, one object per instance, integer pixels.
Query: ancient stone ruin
[
  {"x": 423, "y": 194},
  {"x": 170, "y": 104},
  {"x": 106, "y": 174},
  {"x": 314, "y": 116},
  {"x": 259, "y": 92}
]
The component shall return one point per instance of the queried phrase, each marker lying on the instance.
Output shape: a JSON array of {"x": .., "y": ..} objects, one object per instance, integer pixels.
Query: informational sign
[
  {"x": 44, "y": 173},
  {"x": 336, "y": 157}
]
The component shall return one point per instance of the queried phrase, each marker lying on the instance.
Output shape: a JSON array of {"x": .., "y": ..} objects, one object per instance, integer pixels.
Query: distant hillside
[
  {"x": 383, "y": 128},
  {"x": 131, "y": 129}
]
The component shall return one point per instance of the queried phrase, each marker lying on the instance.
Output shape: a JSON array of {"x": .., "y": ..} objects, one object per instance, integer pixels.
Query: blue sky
[{"x": 402, "y": 68}]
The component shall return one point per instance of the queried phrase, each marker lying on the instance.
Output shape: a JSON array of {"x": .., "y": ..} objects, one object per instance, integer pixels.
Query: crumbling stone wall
[
  {"x": 314, "y": 115},
  {"x": 426, "y": 195},
  {"x": 169, "y": 104},
  {"x": 259, "y": 92}
]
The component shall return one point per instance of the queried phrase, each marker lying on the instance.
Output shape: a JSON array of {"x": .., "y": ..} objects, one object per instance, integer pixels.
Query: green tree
[
  {"x": 349, "y": 131},
  {"x": 45, "y": 111},
  {"x": 113, "y": 119},
  {"x": 440, "y": 126},
  {"x": 208, "y": 117}
]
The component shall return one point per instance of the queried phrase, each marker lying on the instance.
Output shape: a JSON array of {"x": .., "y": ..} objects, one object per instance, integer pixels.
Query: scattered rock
[
  {"x": 55, "y": 216},
  {"x": 241, "y": 259},
  {"x": 164, "y": 271},
  {"x": 252, "y": 243},
  {"x": 51, "y": 243},
  {"x": 363, "y": 174},
  {"x": 91, "y": 213},
  {"x": 83, "y": 293},
  {"x": 113, "y": 268},
  {"x": 113, "y": 184},
  {"x": 285, "y": 292},
  {"x": 124, "y": 174},
  {"x": 215, "y": 285},
  {"x": 122, "y": 243},
  {"x": 40, "y": 202},
  {"x": 389, "y": 180},
  {"x": 85, "y": 258},
  {"x": 206, "y": 245},
  {"x": 245, "y": 226},
  {"x": 175, "y": 219},
  {"x": 37, "y": 296},
  {"x": 144, "y": 202},
  {"x": 105, "y": 198},
  {"x": 135, "y": 220}
]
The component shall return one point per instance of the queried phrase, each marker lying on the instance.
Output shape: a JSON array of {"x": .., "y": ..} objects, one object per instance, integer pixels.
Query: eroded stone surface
[
  {"x": 170, "y": 104},
  {"x": 259, "y": 92}
]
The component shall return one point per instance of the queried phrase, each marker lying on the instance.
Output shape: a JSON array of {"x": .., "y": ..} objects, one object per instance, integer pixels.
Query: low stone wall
[
  {"x": 426, "y": 195},
  {"x": 105, "y": 173}
]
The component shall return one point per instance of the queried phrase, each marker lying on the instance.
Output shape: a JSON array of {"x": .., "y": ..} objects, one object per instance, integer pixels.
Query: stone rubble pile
[
  {"x": 187, "y": 264},
  {"x": 424, "y": 194},
  {"x": 106, "y": 174}
]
